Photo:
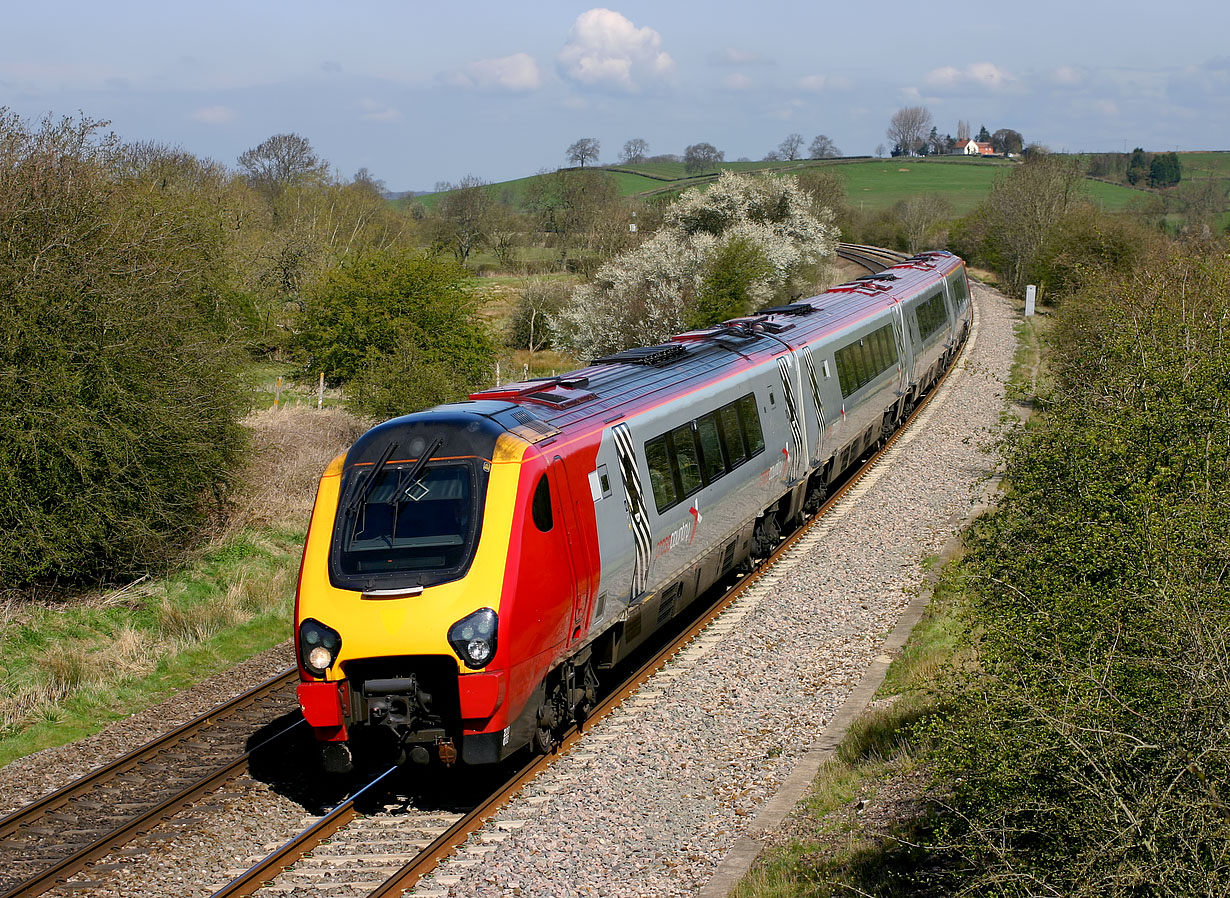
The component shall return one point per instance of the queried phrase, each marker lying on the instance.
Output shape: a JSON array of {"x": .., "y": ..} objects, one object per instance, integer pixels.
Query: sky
[{"x": 420, "y": 93}]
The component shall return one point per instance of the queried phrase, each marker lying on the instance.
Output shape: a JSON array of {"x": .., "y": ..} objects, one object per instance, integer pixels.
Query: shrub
[
  {"x": 1087, "y": 754},
  {"x": 118, "y": 386},
  {"x": 399, "y": 328}
]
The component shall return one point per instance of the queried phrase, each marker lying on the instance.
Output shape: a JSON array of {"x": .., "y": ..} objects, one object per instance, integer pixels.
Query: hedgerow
[
  {"x": 117, "y": 381},
  {"x": 1088, "y": 749}
]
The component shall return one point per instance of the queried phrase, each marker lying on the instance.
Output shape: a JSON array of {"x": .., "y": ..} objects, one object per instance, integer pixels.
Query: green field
[{"x": 873, "y": 185}]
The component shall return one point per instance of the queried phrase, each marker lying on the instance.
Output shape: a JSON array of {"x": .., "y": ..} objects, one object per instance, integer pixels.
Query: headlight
[
  {"x": 318, "y": 646},
  {"x": 473, "y": 638}
]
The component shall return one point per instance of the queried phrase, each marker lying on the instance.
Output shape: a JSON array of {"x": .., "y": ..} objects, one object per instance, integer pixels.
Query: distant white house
[{"x": 975, "y": 148}]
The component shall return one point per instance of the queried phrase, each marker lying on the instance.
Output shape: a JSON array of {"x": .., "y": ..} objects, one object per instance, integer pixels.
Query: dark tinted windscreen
[{"x": 426, "y": 524}]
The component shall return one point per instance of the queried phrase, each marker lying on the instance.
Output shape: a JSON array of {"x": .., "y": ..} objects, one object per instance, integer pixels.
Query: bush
[
  {"x": 399, "y": 328},
  {"x": 528, "y": 328},
  {"x": 119, "y": 389},
  {"x": 1087, "y": 754}
]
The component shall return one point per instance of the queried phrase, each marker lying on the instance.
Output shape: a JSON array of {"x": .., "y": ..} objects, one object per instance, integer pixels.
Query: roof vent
[{"x": 657, "y": 356}]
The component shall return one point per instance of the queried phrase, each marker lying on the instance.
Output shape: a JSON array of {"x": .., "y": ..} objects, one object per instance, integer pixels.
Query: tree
[
  {"x": 791, "y": 147},
  {"x": 823, "y": 148},
  {"x": 1026, "y": 206},
  {"x": 1164, "y": 170},
  {"x": 118, "y": 362},
  {"x": 1138, "y": 166},
  {"x": 281, "y": 161},
  {"x": 879, "y": 150},
  {"x": 984, "y": 136},
  {"x": 395, "y": 312},
  {"x": 922, "y": 219},
  {"x": 584, "y": 150},
  {"x": 567, "y": 204},
  {"x": 463, "y": 213},
  {"x": 634, "y": 151},
  {"x": 908, "y": 126},
  {"x": 701, "y": 157},
  {"x": 713, "y": 243},
  {"x": 1006, "y": 141},
  {"x": 962, "y": 131}
]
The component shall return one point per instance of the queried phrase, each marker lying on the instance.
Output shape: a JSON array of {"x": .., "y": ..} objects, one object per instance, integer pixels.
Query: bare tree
[
  {"x": 278, "y": 162},
  {"x": 791, "y": 147},
  {"x": 879, "y": 149},
  {"x": 823, "y": 148},
  {"x": 963, "y": 131},
  {"x": 908, "y": 128},
  {"x": 922, "y": 218},
  {"x": 463, "y": 212},
  {"x": 701, "y": 156},
  {"x": 1025, "y": 207},
  {"x": 634, "y": 151},
  {"x": 584, "y": 150}
]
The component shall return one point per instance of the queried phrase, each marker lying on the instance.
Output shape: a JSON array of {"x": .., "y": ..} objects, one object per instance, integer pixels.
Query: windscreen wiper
[
  {"x": 364, "y": 488},
  {"x": 414, "y": 472}
]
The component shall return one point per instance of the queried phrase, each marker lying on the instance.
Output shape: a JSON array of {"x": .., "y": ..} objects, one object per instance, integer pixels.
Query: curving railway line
[{"x": 375, "y": 842}]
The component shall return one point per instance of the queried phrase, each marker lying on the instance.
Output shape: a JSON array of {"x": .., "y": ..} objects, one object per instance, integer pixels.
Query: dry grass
[{"x": 290, "y": 448}]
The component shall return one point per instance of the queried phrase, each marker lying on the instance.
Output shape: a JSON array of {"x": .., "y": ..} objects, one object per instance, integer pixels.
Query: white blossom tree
[{"x": 651, "y": 292}]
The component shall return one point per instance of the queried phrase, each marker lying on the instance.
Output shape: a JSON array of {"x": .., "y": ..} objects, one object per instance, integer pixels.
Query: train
[{"x": 472, "y": 571}]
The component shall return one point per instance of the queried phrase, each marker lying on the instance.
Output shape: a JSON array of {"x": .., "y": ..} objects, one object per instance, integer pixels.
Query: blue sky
[{"x": 423, "y": 92}]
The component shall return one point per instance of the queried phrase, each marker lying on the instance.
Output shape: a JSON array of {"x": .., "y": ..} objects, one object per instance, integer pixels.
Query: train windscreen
[{"x": 412, "y": 520}]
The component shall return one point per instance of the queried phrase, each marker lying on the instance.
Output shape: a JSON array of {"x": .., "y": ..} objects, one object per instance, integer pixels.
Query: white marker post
[{"x": 1031, "y": 294}]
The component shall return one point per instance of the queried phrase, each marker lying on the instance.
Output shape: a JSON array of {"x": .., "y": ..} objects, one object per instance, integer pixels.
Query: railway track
[
  {"x": 356, "y": 854},
  {"x": 62, "y": 833},
  {"x": 873, "y": 258}
]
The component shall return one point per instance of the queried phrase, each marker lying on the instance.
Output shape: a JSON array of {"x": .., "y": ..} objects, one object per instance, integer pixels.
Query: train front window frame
[{"x": 394, "y": 532}]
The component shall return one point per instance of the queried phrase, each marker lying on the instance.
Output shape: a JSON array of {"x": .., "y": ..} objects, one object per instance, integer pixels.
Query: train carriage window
[
  {"x": 750, "y": 417},
  {"x": 540, "y": 508},
  {"x": 931, "y": 315},
  {"x": 862, "y": 361},
  {"x": 687, "y": 460},
  {"x": 660, "y": 479},
  {"x": 960, "y": 289},
  {"x": 712, "y": 459},
  {"x": 734, "y": 438}
]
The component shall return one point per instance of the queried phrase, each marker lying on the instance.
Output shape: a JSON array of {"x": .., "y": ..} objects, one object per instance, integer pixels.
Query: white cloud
[
  {"x": 606, "y": 50},
  {"x": 984, "y": 75},
  {"x": 735, "y": 56},
  {"x": 820, "y": 83},
  {"x": 375, "y": 111},
  {"x": 213, "y": 115},
  {"x": 517, "y": 73},
  {"x": 1069, "y": 76},
  {"x": 737, "y": 81}
]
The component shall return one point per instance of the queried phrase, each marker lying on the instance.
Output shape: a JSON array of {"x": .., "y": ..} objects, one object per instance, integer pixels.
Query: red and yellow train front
[{"x": 432, "y": 601}]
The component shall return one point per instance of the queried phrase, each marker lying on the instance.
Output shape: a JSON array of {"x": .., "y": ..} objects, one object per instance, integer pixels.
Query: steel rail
[{"x": 81, "y": 858}]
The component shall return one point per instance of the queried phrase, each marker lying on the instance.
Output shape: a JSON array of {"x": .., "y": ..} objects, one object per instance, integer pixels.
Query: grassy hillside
[{"x": 871, "y": 184}]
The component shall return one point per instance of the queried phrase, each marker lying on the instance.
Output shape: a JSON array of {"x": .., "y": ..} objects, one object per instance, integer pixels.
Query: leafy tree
[
  {"x": 391, "y": 313},
  {"x": 792, "y": 147},
  {"x": 701, "y": 157},
  {"x": 1164, "y": 170},
  {"x": 1005, "y": 140},
  {"x": 584, "y": 150},
  {"x": 117, "y": 364},
  {"x": 907, "y": 127},
  {"x": 634, "y": 151},
  {"x": 984, "y": 136},
  {"x": 1138, "y": 166},
  {"x": 823, "y": 148},
  {"x": 728, "y": 282}
]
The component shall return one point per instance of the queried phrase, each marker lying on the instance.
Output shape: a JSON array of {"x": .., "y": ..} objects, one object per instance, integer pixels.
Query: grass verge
[
  {"x": 855, "y": 831},
  {"x": 69, "y": 669}
]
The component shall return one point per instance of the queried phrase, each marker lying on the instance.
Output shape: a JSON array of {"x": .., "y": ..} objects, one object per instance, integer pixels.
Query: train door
[{"x": 578, "y": 560}]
